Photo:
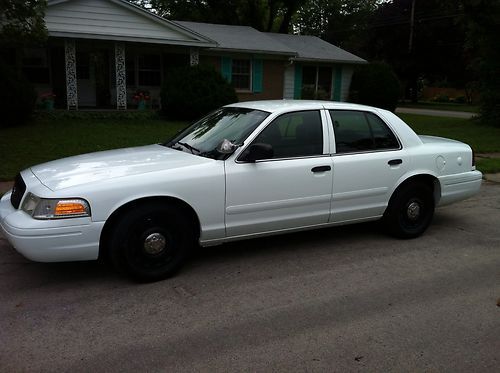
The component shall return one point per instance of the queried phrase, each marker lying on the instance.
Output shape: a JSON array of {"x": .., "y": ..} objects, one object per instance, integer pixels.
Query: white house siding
[
  {"x": 346, "y": 82},
  {"x": 289, "y": 81},
  {"x": 106, "y": 18}
]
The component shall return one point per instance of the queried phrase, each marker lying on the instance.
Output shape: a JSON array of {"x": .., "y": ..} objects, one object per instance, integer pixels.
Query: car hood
[{"x": 94, "y": 167}]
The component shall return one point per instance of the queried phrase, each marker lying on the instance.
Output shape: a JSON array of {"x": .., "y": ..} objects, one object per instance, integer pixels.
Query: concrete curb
[{"x": 495, "y": 178}]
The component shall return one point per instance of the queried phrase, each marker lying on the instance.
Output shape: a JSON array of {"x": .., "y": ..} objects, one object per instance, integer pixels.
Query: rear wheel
[
  {"x": 410, "y": 210},
  {"x": 151, "y": 242}
]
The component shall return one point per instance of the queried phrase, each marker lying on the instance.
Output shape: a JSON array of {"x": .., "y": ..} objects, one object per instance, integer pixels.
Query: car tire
[
  {"x": 151, "y": 242},
  {"x": 410, "y": 210}
]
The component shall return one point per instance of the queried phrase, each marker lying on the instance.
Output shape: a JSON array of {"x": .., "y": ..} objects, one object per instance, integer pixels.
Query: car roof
[{"x": 290, "y": 105}]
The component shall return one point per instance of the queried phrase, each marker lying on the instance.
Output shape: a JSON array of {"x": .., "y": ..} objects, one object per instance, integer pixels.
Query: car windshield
[{"x": 228, "y": 123}]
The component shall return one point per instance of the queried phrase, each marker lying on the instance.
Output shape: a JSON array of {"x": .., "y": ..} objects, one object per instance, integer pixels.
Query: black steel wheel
[
  {"x": 410, "y": 210},
  {"x": 151, "y": 242}
]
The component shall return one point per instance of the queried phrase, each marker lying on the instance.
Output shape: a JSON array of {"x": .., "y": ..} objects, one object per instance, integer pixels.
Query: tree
[
  {"x": 203, "y": 90},
  {"x": 22, "y": 22},
  {"x": 264, "y": 15},
  {"x": 483, "y": 29},
  {"x": 430, "y": 48},
  {"x": 341, "y": 22},
  {"x": 375, "y": 84}
]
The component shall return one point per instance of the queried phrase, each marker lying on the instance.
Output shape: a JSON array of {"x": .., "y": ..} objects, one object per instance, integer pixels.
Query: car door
[
  {"x": 290, "y": 189},
  {"x": 367, "y": 163}
]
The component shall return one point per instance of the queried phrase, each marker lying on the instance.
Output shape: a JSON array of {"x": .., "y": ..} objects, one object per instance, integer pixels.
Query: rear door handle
[
  {"x": 321, "y": 168},
  {"x": 394, "y": 162}
]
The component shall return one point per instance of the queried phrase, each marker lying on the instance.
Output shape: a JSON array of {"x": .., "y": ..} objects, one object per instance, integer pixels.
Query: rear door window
[{"x": 358, "y": 131}]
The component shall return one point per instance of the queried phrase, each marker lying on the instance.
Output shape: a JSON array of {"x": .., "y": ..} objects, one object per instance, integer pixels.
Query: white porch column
[
  {"x": 194, "y": 56},
  {"x": 121, "y": 77},
  {"x": 71, "y": 82}
]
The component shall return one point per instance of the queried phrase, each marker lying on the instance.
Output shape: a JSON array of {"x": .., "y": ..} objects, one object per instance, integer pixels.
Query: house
[{"x": 101, "y": 52}]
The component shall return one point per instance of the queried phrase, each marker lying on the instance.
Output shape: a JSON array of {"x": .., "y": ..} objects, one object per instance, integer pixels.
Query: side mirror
[{"x": 257, "y": 152}]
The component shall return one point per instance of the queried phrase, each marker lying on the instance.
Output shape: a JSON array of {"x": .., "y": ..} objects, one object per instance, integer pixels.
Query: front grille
[{"x": 17, "y": 191}]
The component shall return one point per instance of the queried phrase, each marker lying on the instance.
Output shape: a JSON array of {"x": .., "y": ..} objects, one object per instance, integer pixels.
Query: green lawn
[
  {"x": 441, "y": 106},
  {"x": 483, "y": 139},
  {"x": 52, "y": 138}
]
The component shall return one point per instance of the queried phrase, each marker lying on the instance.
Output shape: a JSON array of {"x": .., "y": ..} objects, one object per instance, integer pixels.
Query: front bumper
[
  {"x": 459, "y": 186},
  {"x": 49, "y": 240}
]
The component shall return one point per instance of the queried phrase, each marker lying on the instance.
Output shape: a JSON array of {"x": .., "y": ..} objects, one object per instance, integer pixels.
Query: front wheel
[
  {"x": 151, "y": 242},
  {"x": 410, "y": 210}
]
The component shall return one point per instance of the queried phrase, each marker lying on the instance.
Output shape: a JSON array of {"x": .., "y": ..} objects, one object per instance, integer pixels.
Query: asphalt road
[{"x": 341, "y": 299}]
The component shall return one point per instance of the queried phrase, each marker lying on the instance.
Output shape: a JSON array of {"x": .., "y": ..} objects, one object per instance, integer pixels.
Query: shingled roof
[
  {"x": 238, "y": 38},
  {"x": 249, "y": 40},
  {"x": 312, "y": 48}
]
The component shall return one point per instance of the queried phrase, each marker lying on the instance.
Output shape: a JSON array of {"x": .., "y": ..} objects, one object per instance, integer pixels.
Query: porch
[{"x": 103, "y": 74}]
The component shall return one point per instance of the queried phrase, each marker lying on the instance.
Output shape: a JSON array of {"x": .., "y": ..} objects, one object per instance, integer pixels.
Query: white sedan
[{"x": 245, "y": 170}]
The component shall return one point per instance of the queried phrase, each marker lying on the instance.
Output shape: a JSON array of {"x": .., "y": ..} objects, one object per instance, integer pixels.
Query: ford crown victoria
[{"x": 244, "y": 170}]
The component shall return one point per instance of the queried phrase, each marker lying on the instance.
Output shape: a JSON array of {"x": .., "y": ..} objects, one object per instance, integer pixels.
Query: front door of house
[
  {"x": 86, "y": 80},
  {"x": 93, "y": 79}
]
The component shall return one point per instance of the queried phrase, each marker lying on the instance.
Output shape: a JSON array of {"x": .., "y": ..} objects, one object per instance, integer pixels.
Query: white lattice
[
  {"x": 71, "y": 82},
  {"x": 121, "y": 77},
  {"x": 194, "y": 56}
]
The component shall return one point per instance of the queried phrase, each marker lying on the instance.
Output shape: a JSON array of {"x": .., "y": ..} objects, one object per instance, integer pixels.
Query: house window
[
  {"x": 308, "y": 82},
  {"x": 149, "y": 70},
  {"x": 316, "y": 82},
  {"x": 35, "y": 65},
  {"x": 241, "y": 75},
  {"x": 324, "y": 84}
]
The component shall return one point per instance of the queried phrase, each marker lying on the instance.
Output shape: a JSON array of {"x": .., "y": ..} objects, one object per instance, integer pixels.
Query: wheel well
[
  {"x": 122, "y": 210},
  {"x": 427, "y": 179}
]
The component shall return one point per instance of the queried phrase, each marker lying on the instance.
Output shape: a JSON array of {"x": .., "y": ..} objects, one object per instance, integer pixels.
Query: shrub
[
  {"x": 192, "y": 91},
  {"x": 17, "y": 97},
  {"x": 441, "y": 98},
  {"x": 375, "y": 84}
]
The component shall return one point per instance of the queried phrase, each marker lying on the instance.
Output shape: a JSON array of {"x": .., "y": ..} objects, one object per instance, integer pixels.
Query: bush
[
  {"x": 375, "y": 84},
  {"x": 441, "y": 98},
  {"x": 17, "y": 97},
  {"x": 192, "y": 91}
]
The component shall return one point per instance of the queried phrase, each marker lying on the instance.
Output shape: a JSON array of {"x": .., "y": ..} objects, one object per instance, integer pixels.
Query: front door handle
[
  {"x": 394, "y": 162},
  {"x": 321, "y": 168}
]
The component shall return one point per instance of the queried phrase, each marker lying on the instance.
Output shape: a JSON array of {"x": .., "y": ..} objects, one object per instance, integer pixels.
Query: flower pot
[
  {"x": 48, "y": 105},
  {"x": 141, "y": 105}
]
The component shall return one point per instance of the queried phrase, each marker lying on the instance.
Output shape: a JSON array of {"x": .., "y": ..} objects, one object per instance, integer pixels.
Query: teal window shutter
[
  {"x": 257, "y": 75},
  {"x": 338, "y": 84},
  {"x": 297, "y": 87},
  {"x": 227, "y": 68}
]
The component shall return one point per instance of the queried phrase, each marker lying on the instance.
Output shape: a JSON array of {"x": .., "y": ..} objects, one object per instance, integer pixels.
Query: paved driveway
[{"x": 342, "y": 299}]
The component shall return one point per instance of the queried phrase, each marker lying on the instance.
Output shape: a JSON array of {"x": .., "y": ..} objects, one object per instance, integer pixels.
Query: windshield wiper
[{"x": 187, "y": 146}]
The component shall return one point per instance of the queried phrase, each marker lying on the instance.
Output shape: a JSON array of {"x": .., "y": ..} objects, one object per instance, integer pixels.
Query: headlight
[{"x": 44, "y": 208}]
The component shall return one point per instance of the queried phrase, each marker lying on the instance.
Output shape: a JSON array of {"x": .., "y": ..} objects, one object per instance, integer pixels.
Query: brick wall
[{"x": 272, "y": 87}]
